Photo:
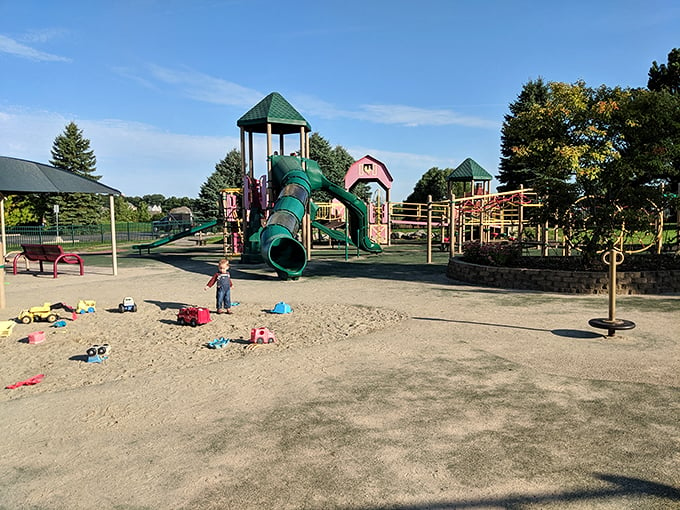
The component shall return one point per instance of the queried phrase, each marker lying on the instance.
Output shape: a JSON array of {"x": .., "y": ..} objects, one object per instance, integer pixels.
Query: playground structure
[
  {"x": 297, "y": 178},
  {"x": 485, "y": 218},
  {"x": 278, "y": 213},
  {"x": 477, "y": 215},
  {"x": 272, "y": 218},
  {"x": 488, "y": 217},
  {"x": 501, "y": 217},
  {"x": 232, "y": 227},
  {"x": 369, "y": 169},
  {"x": 174, "y": 237}
]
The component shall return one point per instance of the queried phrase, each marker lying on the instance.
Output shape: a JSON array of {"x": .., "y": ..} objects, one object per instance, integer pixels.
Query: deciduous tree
[
  {"x": 612, "y": 145},
  {"x": 434, "y": 182},
  {"x": 124, "y": 210},
  {"x": 19, "y": 210},
  {"x": 227, "y": 174},
  {"x": 334, "y": 163}
]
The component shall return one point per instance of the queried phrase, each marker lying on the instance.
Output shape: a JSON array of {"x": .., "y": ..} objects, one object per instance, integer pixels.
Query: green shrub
[{"x": 491, "y": 254}]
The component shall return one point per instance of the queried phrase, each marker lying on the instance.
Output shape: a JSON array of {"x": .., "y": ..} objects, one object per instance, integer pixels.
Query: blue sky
[{"x": 158, "y": 85}]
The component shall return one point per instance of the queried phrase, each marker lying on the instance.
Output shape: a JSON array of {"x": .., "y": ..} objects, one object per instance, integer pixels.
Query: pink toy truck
[{"x": 262, "y": 336}]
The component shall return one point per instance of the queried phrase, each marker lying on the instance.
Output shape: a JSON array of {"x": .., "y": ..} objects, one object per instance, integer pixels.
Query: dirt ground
[{"x": 389, "y": 387}]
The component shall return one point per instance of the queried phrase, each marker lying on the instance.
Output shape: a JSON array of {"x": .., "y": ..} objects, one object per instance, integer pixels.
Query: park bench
[
  {"x": 200, "y": 239},
  {"x": 47, "y": 253}
]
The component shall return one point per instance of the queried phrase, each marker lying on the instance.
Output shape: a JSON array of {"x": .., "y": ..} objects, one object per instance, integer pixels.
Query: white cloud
[
  {"x": 128, "y": 73},
  {"x": 209, "y": 89},
  {"x": 12, "y": 47},
  {"x": 413, "y": 116},
  {"x": 315, "y": 107},
  {"x": 135, "y": 158},
  {"x": 42, "y": 35},
  {"x": 392, "y": 114},
  {"x": 423, "y": 161},
  {"x": 206, "y": 88},
  {"x": 140, "y": 159}
]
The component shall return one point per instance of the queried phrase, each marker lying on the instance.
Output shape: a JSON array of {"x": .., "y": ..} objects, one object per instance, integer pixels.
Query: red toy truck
[{"x": 193, "y": 316}]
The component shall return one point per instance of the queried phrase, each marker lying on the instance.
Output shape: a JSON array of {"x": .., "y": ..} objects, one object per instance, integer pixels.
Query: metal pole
[
  {"x": 114, "y": 249},
  {"x": 613, "y": 257},
  {"x": 452, "y": 225},
  {"x": 520, "y": 215},
  {"x": 2, "y": 227},
  {"x": 388, "y": 210},
  {"x": 270, "y": 191},
  {"x": 612, "y": 285},
  {"x": 346, "y": 234},
  {"x": 429, "y": 229},
  {"x": 461, "y": 228},
  {"x": 3, "y": 303}
]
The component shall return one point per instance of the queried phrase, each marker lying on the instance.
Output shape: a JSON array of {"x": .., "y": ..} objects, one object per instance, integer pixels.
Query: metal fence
[{"x": 88, "y": 235}]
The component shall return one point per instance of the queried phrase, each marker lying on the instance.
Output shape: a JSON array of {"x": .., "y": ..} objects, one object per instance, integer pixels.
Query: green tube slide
[{"x": 278, "y": 245}]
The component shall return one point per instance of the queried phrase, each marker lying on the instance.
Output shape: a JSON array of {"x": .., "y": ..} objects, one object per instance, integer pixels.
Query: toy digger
[{"x": 44, "y": 313}]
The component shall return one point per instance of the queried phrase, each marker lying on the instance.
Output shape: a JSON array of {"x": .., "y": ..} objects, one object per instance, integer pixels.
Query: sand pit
[
  {"x": 389, "y": 387},
  {"x": 151, "y": 341}
]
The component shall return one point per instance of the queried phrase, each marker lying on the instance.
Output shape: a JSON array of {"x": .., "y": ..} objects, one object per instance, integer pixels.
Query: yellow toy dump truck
[
  {"x": 43, "y": 313},
  {"x": 85, "y": 306}
]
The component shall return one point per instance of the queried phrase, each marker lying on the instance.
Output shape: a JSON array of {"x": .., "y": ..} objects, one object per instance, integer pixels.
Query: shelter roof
[
  {"x": 469, "y": 170},
  {"x": 18, "y": 176},
  {"x": 274, "y": 110}
]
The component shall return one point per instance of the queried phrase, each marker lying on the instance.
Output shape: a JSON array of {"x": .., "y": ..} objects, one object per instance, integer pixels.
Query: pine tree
[
  {"x": 514, "y": 133},
  {"x": 71, "y": 151},
  {"x": 666, "y": 76}
]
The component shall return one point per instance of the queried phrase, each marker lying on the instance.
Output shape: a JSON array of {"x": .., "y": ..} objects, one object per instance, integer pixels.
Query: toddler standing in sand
[{"x": 224, "y": 285}]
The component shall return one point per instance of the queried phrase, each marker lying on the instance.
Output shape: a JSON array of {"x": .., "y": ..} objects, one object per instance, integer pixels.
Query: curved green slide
[
  {"x": 168, "y": 239},
  {"x": 297, "y": 178}
]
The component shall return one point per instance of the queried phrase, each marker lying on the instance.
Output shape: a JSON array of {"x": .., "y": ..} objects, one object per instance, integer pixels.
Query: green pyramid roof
[
  {"x": 469, "y": 170},
  {"x": 274, "y": 110}
]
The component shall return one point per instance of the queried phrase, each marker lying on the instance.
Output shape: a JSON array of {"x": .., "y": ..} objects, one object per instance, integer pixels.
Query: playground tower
[
  {"x": 278, "y": 212},
  {"x": 272, "y": 116},
  {"x": 469, "y": 171},
  {"x": 369, "y": 169}
]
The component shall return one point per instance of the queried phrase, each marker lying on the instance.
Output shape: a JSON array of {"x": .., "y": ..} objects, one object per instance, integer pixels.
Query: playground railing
[
  {"x": 407, "y": 213},
  {"x": 73, "y": 236}
]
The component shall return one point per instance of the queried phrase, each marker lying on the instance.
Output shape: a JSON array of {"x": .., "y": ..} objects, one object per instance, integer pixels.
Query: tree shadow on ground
[
  {"x": 399, "y": 266},
  {"x": 167, "y": 305},
  {"x": 569, "y": 333},
  {"x": 657, "y": 494}
]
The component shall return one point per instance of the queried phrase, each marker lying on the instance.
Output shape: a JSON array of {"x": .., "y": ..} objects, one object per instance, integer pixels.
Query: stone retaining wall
[{"x": 574, "y": 282}]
